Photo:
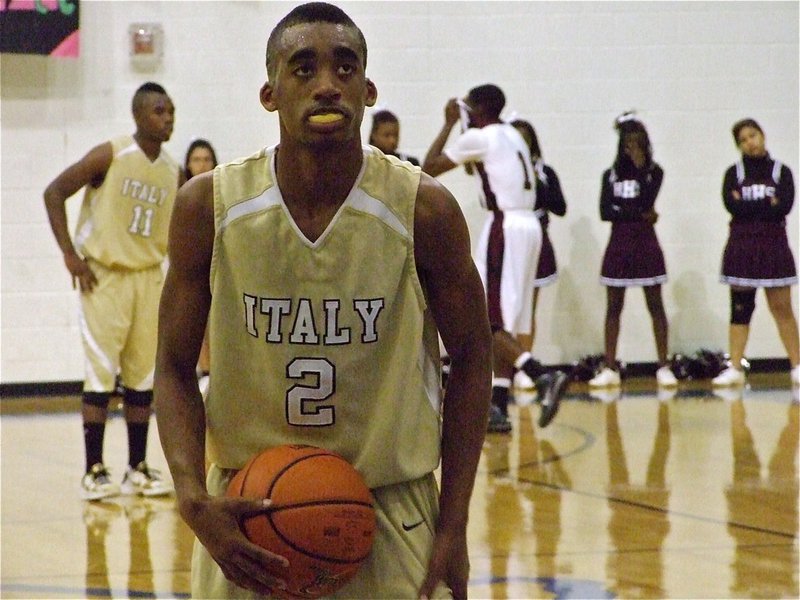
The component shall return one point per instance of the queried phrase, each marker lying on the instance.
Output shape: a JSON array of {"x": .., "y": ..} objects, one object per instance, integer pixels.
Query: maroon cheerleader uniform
[
  {"x": 759, "y": 193},
  {"x": 549, "y": 199},
  {"x": 633, "y": 256}
]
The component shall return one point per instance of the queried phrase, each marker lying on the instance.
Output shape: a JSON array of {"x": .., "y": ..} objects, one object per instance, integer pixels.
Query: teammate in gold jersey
[
  {"x": 326, "y": 270},
  {"x": 116, "y": 258}
]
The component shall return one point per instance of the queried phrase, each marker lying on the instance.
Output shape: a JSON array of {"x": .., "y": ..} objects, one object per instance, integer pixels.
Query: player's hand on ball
[{"x": 215, "y": 521}]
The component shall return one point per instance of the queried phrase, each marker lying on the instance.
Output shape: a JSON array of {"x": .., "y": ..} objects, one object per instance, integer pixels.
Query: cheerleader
[
  {"x": 633, "y": 257},
  {"x": 549, "y": 199},
  {"x": 758, "y": 192}
]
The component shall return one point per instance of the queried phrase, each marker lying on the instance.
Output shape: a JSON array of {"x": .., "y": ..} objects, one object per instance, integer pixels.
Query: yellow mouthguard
[{"x": 326, "y": 118}]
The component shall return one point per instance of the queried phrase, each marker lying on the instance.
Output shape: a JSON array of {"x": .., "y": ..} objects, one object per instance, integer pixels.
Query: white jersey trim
[
  {"x": 363, "y": 202},
  {"x": 261, "y": 202},
  {"x": 740, "y": 172},
  {"x": 776, "y": 172},
  {"x": 93, "y": 379},
  {"x": 133, "y": 147}
]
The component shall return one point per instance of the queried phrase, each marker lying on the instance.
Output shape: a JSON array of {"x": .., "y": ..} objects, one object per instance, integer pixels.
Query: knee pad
[
  {"x": 743, "y": 303},
  {"x": 98, "y": 399},
  {"x": 135, "y": 398}
]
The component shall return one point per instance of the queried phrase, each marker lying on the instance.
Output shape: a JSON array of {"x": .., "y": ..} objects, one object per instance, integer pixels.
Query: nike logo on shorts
[{"x": 412, "y": 526}]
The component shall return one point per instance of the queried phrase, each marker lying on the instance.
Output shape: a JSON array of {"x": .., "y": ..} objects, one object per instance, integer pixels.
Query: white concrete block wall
[{"x": 690, "y": 68}]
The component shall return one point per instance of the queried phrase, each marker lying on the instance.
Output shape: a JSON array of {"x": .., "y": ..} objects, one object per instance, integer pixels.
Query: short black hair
[
  {"x": 312, "y": 12},
  {"x": 739, "y": 125},
  {"x": 144, "y": 89},
  {"x": 383, "y": 116},
  {"x": 489, "y": 98}
]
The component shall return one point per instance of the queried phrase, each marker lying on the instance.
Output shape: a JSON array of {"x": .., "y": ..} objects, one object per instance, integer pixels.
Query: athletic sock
[
  {"x": 532, "y": 368},
  {"x": 93, "y": 434},
  {"x": 137, "y": 442},
  {"x": 500, "y": 394}
]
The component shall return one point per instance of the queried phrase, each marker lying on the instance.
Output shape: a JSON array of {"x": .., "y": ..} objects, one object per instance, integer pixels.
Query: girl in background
[
  {"x": 549, "y": 199},
  {"x": 633, "y": 257},
  {"x": 385, "y": 135},
  {"x": 200, "y": 158},
  {"x": 758, "y": 192}
]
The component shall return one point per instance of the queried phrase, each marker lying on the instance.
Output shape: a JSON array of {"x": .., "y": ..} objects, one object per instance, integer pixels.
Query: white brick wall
[{"x": 690, "y": 68}]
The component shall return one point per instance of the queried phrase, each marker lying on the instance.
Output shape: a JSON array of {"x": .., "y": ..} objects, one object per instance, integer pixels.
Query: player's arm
[
  {"x": 649, "y": 187},
  {"x": 436, "y": 162},
  {"x": 182, "y": 318},
  {"x": 180, "y": 412},
  {"x": 784, "y": 194},
  {"x": 457, "y": 299},
  {"x": 89, "y": 170},
  {"x": 554, "y": 195}
]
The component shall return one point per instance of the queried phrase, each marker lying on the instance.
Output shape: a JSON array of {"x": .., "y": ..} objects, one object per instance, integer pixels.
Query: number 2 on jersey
[{"x": 303, "y": 406}]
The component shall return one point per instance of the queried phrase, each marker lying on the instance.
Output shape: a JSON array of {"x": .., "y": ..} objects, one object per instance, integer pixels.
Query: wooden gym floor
[{"x": 637, "y": 496}]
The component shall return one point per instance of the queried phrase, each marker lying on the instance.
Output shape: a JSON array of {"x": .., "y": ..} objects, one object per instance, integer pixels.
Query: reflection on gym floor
[{"x": 630, "y": 494}]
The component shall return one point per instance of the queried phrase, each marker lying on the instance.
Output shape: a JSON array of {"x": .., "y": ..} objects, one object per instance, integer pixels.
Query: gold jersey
[
  {"x": 124, "y": 223},
  {"x": 328, "y": 343}
]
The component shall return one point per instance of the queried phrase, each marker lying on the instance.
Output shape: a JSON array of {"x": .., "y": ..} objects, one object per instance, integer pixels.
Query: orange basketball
[{"x": 321, "y": 519}]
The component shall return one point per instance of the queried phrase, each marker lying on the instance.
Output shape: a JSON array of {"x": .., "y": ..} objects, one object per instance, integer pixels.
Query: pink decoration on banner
[
  {"x": 50, "y": 5},
  {"x": 69, "y": 47}
]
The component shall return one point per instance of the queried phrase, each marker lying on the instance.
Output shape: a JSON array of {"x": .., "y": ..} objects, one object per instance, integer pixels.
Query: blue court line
[{"x": 562, "y": 588}]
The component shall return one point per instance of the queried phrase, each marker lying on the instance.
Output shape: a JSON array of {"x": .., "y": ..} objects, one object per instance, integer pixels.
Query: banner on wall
[{"x": 47, "y": 27}]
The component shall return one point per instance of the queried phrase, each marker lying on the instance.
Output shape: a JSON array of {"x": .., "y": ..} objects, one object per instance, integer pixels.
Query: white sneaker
[
  {"x": 796, "y": 375},
  {"x": 97, "y": 484},
  {"x": 605, "y": 378},
  {"x": 144, "y": 481},
  {"x": 522, "y": 381},
  {"x": 665, "y": 377},
  {"x": 729, "y": 377}
]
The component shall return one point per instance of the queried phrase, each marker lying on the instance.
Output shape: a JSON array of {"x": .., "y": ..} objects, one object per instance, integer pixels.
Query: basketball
[{"x": 321, "y": 519}]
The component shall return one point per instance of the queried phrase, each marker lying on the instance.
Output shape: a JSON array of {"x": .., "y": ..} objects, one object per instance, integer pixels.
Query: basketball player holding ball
[{"x": 326, "y": 271}]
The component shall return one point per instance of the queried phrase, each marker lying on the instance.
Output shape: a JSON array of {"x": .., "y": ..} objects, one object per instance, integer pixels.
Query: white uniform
[{"x": 508, "y": 249}]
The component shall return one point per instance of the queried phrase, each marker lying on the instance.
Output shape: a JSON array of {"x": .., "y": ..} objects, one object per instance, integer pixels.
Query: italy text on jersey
[{"x": 304, "y": 323}]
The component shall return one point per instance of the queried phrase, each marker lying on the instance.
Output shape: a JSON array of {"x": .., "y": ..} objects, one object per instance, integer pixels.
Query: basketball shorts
[
  {"x": 118, "y": 323},
  {"x": 406, "y": 516},
  {"x": 507, "y": 258}
]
